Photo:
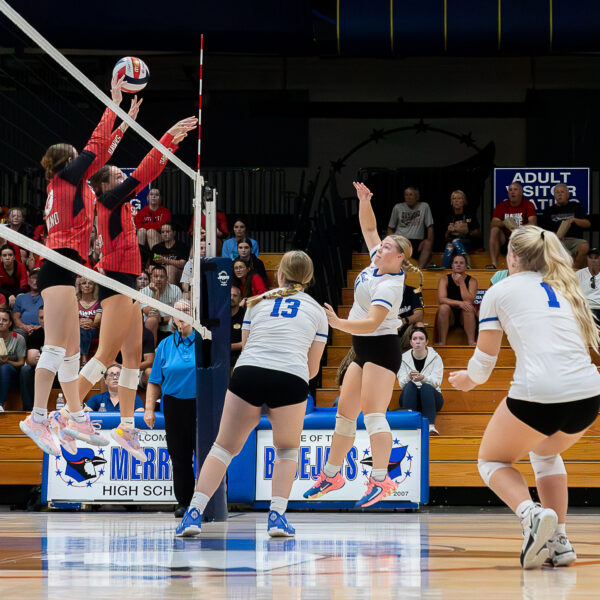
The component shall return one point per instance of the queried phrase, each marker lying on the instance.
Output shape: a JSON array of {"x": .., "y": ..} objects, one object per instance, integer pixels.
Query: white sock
[
  {"x": 128, "y": 422},
  {"x": 279, "y": 504},
  {"x": 378, "y": 474},
  {"x": 560, "y": 530},
  {"x": 199, "y": 501},
  {"x": 524, "y": 508},
  {"x": 331, "y": 470},
  {"x": 78, "y": 416},
  {"x": 39, "y": 415}
]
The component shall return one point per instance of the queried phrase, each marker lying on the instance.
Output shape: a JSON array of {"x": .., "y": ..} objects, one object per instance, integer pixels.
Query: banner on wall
[
  {"x": 404, "y": 466},
  {"x": 141, "y": 198},
  {"x": 111, "y": 474},
  {"x": 539, "y": 182}
]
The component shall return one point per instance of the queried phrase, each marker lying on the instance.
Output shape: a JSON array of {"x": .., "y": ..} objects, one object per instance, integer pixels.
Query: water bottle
[
  {"x": 102, "y": 406},
  {"x": 60, "y": 401}
]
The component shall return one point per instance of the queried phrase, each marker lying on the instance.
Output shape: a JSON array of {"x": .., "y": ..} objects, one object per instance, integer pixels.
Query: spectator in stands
[
  {"x": 111, "y": 396},
  {"x": 150, "y": 219},
  {"x": 420, "y": 378},
  {"x": 567, "y": 219},
  {"x": 174, "y": 378},
  {"x": 148, "y": 353},
  {"x": 456, "y": 294},
  {"x": 252, "y": 262},
  {"x": 39, "y": 233},
  {"x": 90, "y": 315},
  {"x": 463, "y": 232},
  {"x": 160, "y": 289},
  {"x": 508, "y": 215},
  {"x": 26, "y": 309},
  {"x": 13, "y": 275},
  {"x": 249, "y": 282},
  {"x": 15, "y": 219},
  {"x": 188, "y": 269},
  {"x": 240, "y": 232},
  {"x": 12, "y": 355},
  {"x": 237, "y": 317},
  {"x": 222, "y": 228},
  {"x": 413, "y": 219},
  {"x": 142, "y": 280},
  {"x": 170, "y": 253},
  {"x": 411, "y": 313},
  {"x": 33, "y": 345},
  {"x": 589, "y": 279}
]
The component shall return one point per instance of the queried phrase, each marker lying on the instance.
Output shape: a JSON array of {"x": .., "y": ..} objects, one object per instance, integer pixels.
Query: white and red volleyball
[{"x": 136, "y": 73}]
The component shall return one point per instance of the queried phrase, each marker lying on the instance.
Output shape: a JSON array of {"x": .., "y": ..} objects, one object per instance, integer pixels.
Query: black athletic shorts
[
  {"x": 51, "y": 274},
  {"x": 259, "y": 386},
  {"x": 125, "y": 278},
  {"x": 382, "y": 350},
  {"x": 568, "y": 417}
]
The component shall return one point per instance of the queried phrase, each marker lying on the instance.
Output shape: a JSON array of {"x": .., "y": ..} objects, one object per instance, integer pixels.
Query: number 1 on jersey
[
  {"x": 552, "y": 299},
  {"x": 291, "y": 310}
]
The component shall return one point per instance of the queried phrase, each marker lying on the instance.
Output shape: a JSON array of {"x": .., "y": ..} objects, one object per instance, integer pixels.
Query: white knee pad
[
  {"x": 51, "y": 358},
  {"x": 221, "y": 454},
  {"x": 345, "y": 426},
  {"x": 93, "y": 370},
  {"x": 69, "y": 370},
  {"x": 376, "y": 423},
  {"x": 488, "y": 468},
  {"x": 547, "y": 465},
  {"x": 286, "y": 454},
  {"x": 129, "y": 378}
]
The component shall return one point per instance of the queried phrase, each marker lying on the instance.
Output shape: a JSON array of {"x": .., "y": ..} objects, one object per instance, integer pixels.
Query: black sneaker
[{"x": 180, "y": 511}]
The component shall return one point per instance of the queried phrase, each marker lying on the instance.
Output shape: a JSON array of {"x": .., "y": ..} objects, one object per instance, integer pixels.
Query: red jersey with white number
[
  {"x": 152, "y": 219},
  {"x": 116, "y": 227},
  {"x": 69, "y": 211},
  {"x": 520, "y": 213}
]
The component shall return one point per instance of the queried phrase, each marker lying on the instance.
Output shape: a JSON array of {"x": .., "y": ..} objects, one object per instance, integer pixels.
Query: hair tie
[{"x": 543, "y": 235}]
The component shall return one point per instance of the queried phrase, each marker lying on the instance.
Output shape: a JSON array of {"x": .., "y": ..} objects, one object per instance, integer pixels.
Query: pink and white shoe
[
  {"x": 87, "y": 431},
  {"x": 376, "y": 491},
  {"x": 58, "y": 423},
  {"x": 128, "y": 438},
  {"x": 41, "y": 434}
]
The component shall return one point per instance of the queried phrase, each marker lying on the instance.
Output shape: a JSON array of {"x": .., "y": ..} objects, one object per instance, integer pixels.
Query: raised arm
[{"x": 366, "y": 216}]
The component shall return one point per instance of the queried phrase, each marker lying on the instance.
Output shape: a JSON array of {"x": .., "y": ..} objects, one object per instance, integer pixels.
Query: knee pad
[
  {"x": 286, "y": 454},
  {"x": 488, "y": 468},
  {"x": 129, "y": 378},
  {"x": 376, "y": 423},
  {"x": 547, "y": 465},
  {"x": 221, "y": 454},
  {"x": 51, "y": 358},
  {"x": 345, "y": 426},
  {"x": 93, "y": 370},
  {"x": 69, "y": 370}
]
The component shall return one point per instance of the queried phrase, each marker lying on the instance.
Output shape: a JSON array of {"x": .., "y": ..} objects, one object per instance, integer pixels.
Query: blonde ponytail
[
  {"x": 278, "y": 293},
  {"x": 405, "y": 246},
  {"x": 542, "y": 251}
]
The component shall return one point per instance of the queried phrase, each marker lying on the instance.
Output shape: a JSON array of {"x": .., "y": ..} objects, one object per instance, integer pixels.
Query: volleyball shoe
[
  {"x": 376, "y": 491},
  {"x": 58, "y": 423},
  {"x": 128, "y": 438},
  {"x": 561, "y": 551},
  {"x": 277, "y": 525},
  {"x": 191, "y": 524},
  {"x": 86, "y": 431},
  {"x": 538, "y": 527},
  {"x": 41, "y": 434},
  {"x": 323, "y": 485}
]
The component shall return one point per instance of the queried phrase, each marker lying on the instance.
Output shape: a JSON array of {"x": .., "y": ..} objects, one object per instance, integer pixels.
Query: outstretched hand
[
  {"x": 116, "y": 89},
  {"x": 362, "y": 191},
  {"x": 332, "y": 318},
  {"x": 180, "y": 129},
  {"x": 134, "y": 109},
  {"x": 460, "y": 380}
]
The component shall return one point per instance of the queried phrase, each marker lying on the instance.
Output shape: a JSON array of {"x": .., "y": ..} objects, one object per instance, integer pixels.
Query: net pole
[{"x": 211, "y": 225}]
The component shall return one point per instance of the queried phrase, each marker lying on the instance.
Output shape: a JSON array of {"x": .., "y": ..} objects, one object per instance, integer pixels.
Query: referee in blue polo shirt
[{"x": 173, "y": 377}]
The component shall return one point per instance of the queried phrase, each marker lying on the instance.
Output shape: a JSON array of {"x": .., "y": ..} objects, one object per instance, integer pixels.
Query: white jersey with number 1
[
  {"x": 282, "y": 331},
  {"x": 553, "y": 361}
]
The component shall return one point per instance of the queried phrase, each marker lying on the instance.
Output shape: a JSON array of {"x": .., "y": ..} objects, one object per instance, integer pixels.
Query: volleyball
[{"x": 136, "y": 73}]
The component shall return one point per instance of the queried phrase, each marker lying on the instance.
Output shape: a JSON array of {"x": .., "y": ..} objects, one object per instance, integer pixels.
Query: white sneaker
[
  {"x": 433, "y": 430},
  {"x": 561, "y": 551},
  {"x": 538, "y": 527}
]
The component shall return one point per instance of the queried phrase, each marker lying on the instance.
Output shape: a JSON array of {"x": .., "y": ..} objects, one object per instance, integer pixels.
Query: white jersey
[
  {"x": 591, "y": 293},
  {"x": 553, "y": 361},
  {"x": 282, "y": 331},
  {"x": 372, "y": 288}
]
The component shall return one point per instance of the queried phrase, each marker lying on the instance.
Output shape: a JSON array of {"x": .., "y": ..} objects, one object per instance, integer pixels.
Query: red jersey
[
  {"x": 39, "y": 233},
  {"x": 221, "y": 223},
  {"x": 152, "y": 219},
  {"x": 11, "y": 285},
  {"x": 69, "y": 211},
  {"x": 116, "y": 227},
  {"x": 520, "y": 213}
]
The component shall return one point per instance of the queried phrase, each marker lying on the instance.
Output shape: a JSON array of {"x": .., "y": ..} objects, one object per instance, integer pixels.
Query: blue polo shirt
[
  {"x": 174, "y": 366},
  {"x": 95, "y": 401},
  {"x": 28, "y": 306}
]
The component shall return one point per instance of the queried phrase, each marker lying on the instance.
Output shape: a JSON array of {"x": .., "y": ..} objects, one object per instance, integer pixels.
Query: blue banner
[
  {"x": 539, "y": 182},
  {"x": 141, "y": 199}
]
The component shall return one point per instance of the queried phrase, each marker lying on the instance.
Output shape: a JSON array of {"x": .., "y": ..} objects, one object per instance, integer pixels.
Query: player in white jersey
[
  {"x": 369, "y": 380},
  {"x": 555, "y": 393},
  {"x": 283, "y": 337}
]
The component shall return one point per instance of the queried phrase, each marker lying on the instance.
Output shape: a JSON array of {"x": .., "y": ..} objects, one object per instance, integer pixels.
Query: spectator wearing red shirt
[
  {"x": 150, "y": 219},
  {"x": 13, "y": 275},
  {"x": 248, "y": 281},
  {"x": 510, "y": 213}
]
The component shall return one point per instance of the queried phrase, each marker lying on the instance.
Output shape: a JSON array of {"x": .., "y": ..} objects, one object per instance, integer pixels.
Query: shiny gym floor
[{"x": 441, "y": 553}]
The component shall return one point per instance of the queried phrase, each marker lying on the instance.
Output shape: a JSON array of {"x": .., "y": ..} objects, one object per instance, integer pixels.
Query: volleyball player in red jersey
[
  {"x": 69, "y": 216},
  {"x": 121, "y": 327}
]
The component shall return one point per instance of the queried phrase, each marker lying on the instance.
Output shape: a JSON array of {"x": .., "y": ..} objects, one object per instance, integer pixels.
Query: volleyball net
[{"x": 79, "y": 99}]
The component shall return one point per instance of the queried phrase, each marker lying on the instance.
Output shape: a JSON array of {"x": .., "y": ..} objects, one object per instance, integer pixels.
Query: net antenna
[{"x": 49, "y": 254}]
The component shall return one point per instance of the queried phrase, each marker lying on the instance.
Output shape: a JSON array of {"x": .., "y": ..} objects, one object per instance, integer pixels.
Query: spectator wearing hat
[
  {"x": 590, "y": 281},
  {"x": 26, "y": 309}
]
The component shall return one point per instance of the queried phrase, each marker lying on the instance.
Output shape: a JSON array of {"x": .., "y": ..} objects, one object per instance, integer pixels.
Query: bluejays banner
[
  {"x": 141, "y": 199},
  {"x": 404, "y": 466}
]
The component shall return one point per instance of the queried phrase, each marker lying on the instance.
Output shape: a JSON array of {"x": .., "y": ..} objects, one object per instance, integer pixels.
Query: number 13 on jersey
[{"x": 290, "y": 309}]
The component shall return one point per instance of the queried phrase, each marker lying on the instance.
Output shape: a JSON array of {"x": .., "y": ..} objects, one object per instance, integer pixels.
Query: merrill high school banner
[{"x": 538, "y": 184}]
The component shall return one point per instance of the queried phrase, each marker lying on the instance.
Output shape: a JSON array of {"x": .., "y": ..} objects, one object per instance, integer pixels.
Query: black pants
[{"x": 180, "y": 429}]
